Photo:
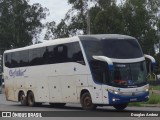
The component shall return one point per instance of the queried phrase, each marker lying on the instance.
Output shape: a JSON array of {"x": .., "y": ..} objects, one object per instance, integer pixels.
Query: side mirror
[
  {"x": 153, "y": 61},
  {"x": 105, "y": 59}
]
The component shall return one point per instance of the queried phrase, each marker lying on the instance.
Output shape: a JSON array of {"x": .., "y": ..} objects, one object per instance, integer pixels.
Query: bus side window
[
  {"x": 34, "y": 55},
  {"x": 75, "y": 53},
  {"x": 60, "y": 53},
  {"x": 99, "y": 71},
  {"x": 77, "y": 57},
  {"x": 15, "y": 59},
  {"x": 7, "y": 60},
  {"x": 24, "y": 58},
  {"x": 45, "y": 55}
]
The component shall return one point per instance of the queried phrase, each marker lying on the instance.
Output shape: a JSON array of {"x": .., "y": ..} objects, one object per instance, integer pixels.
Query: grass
[
  {"x": 154, "y": 87},
  {"x": 153, "y": 99},
  {"x": 138, "y": 104}
]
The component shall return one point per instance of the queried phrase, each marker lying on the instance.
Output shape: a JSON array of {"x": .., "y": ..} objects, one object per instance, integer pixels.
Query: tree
[
  {"x": 51, "y": 28},
  {"x": 108, "y": 19},
  {"x": 74, "y": 21},
  {"x": 138, "y": 18},
  {"x": 77, "y": 16},
  {"x": 59, "y": 31},
  {"x": 105, "y": 16},
  {"x": 19, "y": 22}
]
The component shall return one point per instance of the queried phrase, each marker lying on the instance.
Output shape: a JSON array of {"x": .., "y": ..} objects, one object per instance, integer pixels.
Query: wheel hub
[{"x": 87, "y": 101}]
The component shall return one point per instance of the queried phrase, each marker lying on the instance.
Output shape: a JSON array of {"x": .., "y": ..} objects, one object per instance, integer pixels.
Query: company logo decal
[{"x": 17, "y": 73}]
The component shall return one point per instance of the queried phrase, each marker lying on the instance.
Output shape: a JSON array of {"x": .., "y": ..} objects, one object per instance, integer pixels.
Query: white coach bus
[{"x": 94, "y": 70}]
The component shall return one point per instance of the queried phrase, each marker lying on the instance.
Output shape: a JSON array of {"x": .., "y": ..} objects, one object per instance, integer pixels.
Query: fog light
[{"x": 115, "y": 99}]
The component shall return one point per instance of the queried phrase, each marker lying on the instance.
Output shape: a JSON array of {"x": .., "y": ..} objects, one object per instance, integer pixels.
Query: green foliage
[
  {"x": 51, "y": 28},
  {"x": 79, "y": 20},
  {"x": 19, "y": 23},
  {"x": 108, "y": 20},
  {"x": 138, "y": 104},
  {"x": 154, "y": 87},
  {"x": 59, "y": 31},
  {"x": 137, "y": 18},
  {"x": 72, "y": 23},
  {"x": 154, "y": 99},
  {"x": 157, "y": 58},
  {"x": 140, "y": 23}
]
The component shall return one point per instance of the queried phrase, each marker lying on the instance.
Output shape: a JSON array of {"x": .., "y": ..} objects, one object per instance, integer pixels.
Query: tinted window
[
  {"x": 121, "y": 49},
  {"x": 41, "y": 53},
  {"x": 75, "y": 53},
  {"x": 24, "y": 58},
  {"x": 15, "y": 60},
  {"x": 112, "y": 48},
  {"x": 69, "y": 52},
  {"x": 92, "y": 48},
  {"x": 34, "y": 57},
  {"x": 100, "y": 71},
  {"x": 61, "y": 53},
  {"x": 8, "y": 60}
]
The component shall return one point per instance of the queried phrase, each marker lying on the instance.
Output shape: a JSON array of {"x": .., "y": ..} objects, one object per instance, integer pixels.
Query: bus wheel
[
  {"x": 57, "y": 105},
  {"x": 120, "y": 106},
  {"x": 86, "y": 102},
  {"x": 23, "y": 99},
  {"x": 31, "y": 99},
  {"x": 37, "y": 104}
]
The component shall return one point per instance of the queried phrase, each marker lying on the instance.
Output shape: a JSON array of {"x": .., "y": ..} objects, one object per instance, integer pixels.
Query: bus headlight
[
  {"x": 147, "y": 90},
  {"x": 118, "y": 92},
  {"x": 115, "y": 92}
]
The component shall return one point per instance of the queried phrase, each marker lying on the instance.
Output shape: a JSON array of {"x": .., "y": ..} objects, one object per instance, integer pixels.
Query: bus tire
[
  {"x": 31, "y": 99},
  {"x": 57, "y": 105},
  {"x": 23, "y": 99},
  {"x": 86, "y": 102},
  {"x": 120, "y": 106},
  {"x": 38, "y": 104}
]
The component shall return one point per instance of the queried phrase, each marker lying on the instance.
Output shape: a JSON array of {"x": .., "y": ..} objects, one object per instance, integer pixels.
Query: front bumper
[{"x": 121, "y": 99}]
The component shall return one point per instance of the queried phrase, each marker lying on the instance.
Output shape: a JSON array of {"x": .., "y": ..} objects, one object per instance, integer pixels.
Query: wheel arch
[
  {"x": 29, "y": 92},
  {"x": 84, "y": 91}
]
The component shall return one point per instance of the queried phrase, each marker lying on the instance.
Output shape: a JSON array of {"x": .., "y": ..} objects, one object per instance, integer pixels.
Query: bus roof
[
  {"x": 72, "y": 39},
  {"x": 47, "y": 43},
  {"x": 104, "y": 36}
]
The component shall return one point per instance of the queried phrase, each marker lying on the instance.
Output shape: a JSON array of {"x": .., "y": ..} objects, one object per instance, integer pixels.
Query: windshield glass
[
  {"x": 121, "y": 49},
  {"x": 129, "y": 74},
  {"x": 113, "y": 48}
]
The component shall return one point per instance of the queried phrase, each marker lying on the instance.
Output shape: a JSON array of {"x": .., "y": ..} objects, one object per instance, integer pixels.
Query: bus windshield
[
  {"x": 113, "y": 48},
  {"x": 121, "y": 49},
  {"x": 129, "y": 74}
]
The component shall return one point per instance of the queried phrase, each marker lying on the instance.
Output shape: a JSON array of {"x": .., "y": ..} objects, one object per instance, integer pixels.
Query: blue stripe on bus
[{"x": 120, "y": 99}]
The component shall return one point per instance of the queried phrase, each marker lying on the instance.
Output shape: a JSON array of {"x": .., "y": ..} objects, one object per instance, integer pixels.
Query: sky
[{"x": 57, "y": 8}]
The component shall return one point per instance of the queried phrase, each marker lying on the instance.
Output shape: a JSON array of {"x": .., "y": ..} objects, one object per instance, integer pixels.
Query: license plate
[{"x": 133, "y": 99}]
